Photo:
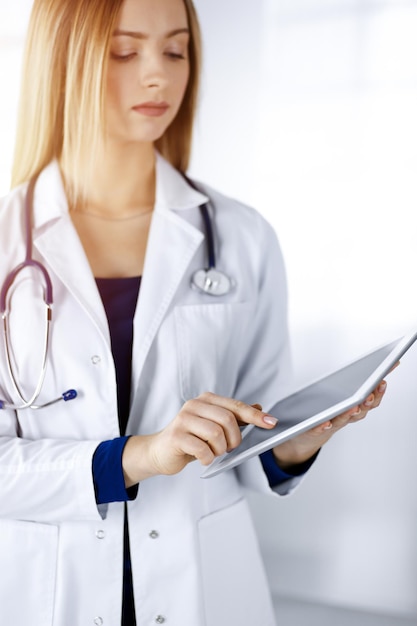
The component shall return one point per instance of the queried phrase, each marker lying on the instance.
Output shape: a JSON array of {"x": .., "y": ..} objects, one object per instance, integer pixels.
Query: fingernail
[
  {"x": 271, "y": 421},
  {"x": 355, "y": 413},
  {"x": 382, "y": 387},
  {"x": 328, "y": 426}
]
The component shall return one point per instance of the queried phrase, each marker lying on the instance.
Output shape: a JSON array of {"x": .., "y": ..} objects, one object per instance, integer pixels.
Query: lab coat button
[
  {"x": 154, "y": 534},
  {"x": 98, "y": 621},
  {"x": 100, "y": 534},
  {"x": 95, "y": 359},
  {"x": 160, "y": 619}
]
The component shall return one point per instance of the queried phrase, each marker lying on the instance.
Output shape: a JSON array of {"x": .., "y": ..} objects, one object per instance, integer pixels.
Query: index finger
[{"x": 243, "y": 413}]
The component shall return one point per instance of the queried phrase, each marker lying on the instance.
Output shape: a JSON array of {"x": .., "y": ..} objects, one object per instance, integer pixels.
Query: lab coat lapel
[
  {"x": 55, "y": 237},
  {"x": 172, "y": 244},
  {"x": 62, "y": 249}
]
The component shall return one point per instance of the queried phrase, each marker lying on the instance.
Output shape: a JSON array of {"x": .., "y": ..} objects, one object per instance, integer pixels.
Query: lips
[{"x": 152, "y": 109}]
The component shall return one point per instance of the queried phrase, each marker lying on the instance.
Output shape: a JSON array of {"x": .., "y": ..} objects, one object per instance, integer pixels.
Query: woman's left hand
[{"x": 303, "y": 447}]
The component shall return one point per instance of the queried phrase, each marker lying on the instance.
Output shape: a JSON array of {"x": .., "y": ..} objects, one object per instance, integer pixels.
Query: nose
[{"x": 152, "y": 69}]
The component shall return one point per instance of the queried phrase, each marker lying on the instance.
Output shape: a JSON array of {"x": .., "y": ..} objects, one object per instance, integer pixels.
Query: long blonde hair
[{"x": 61, "y": 111}]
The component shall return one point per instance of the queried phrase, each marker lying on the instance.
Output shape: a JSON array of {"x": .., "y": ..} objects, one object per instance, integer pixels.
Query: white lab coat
[{"x": 195, "y": 556}]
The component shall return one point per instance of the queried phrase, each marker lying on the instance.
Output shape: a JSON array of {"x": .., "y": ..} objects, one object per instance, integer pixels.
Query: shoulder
[
  {"x": 246, "y": 240},
  {"x": 243, "y": 218},
  {"x": 15, "y": 196},
  {"x": 11, "y": 227},
  {"x": 11, "y": 206}
]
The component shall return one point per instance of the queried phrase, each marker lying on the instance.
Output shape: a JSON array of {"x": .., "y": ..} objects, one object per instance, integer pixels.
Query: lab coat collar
[
  {"x": 49, "y": 201},
  {"x": 172, "y": 192}
]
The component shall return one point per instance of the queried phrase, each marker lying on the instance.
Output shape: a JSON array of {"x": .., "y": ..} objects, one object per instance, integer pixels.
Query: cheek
[
  {"x": 115, "y": 90},
  {"x": 110, "y": 94},
  {"x": 180, "y": 85},
  {"x": 186, "y": 80}
]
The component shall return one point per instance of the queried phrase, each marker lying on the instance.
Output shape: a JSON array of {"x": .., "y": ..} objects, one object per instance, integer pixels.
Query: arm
[{"x": 46, "y": 480}]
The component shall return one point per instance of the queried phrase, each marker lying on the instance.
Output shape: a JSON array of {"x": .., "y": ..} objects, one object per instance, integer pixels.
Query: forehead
[{"x": 152, "y": 16}]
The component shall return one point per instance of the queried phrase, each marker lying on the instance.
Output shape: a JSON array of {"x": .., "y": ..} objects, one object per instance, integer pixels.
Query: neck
[{"x": 123, "y": 181}]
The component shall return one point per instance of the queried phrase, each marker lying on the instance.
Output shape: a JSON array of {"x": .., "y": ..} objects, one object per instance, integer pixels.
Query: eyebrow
[{"x": 138, "y": 35}]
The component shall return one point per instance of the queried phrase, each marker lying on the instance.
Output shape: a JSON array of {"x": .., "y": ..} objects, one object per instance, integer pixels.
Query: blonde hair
[{"x": 61, "y": 111}]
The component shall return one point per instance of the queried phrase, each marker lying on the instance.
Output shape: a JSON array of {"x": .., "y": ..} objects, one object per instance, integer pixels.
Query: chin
[
  {"x": 131, "y": 138},
  {"x": 146, "y": 135}
]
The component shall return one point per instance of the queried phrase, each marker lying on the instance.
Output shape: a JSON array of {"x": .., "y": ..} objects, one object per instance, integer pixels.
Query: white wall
[
  {"x": 227, "y": 127},
  {"x": 13, "y": 22}
]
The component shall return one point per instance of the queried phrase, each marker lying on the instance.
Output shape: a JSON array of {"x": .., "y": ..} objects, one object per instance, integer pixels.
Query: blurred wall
[{"x": 13, "y": 23}]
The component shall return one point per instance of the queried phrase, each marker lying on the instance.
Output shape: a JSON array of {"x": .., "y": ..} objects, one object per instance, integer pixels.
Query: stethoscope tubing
[
  {"x": 29, "y": 262},
  {"x": 26, "y": 403},
  {"x": 209, "y": 280},
  {"x": 211, "y": 255}
]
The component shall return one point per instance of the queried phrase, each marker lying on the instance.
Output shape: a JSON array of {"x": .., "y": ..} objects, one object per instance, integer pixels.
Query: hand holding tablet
[{"x": 317, "y": 403}]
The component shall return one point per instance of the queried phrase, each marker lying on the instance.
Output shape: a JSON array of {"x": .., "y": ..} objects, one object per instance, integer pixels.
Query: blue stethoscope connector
[{"x": 71, "y": 394}]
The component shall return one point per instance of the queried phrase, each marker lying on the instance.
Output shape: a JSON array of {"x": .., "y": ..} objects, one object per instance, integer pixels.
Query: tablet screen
[
  {"x": 317, "y": 398},
  {"x": 316, "y": 403},
  {"x": 333, "y": 389}
]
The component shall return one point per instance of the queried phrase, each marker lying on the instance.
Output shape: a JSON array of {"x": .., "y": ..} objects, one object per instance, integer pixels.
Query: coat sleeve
[{"x": 47, "y": 480}]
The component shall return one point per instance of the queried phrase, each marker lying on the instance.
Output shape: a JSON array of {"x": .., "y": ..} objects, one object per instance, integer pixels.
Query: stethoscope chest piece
[{"x": 211, "y": 281}]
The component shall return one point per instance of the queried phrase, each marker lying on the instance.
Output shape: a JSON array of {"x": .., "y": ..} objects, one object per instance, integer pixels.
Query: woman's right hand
[{"x": 206, "y": 427}]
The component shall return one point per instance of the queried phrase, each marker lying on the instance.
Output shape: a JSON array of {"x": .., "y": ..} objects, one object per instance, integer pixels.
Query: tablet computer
[{"x": 316, "y": 403}]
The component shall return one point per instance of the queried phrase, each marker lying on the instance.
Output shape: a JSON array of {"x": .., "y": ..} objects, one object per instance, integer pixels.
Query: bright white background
[{"x": 309, "y": 113}]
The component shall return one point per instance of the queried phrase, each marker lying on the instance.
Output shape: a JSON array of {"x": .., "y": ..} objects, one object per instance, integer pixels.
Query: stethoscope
[
  {"x": 29, "y": 262},
  {"x": 210, "y": 281}
]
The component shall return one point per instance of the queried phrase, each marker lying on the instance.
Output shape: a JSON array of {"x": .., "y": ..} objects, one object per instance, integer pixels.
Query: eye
[
  {"x": 175, "y": 56},
  {"x": 122, "y": 57}
]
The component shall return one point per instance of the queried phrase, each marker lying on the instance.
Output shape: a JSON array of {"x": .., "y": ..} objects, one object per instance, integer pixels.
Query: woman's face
[{"x": 148, "y": 69}]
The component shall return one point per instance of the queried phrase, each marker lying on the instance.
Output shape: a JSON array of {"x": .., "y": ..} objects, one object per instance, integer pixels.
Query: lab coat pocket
[
  {"x": 209, "y": 340},
  {"x": 229, "y": 551},
  {"x": 28, "y": 554}
]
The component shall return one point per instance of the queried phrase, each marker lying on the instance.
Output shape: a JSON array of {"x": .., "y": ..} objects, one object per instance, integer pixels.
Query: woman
[{"x": 104, "y": 518}]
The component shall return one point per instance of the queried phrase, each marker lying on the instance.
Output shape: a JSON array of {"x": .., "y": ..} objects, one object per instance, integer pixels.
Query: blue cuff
[
  {"x": 276, "y": 475},
  {"x": 109, "y": 482}
]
